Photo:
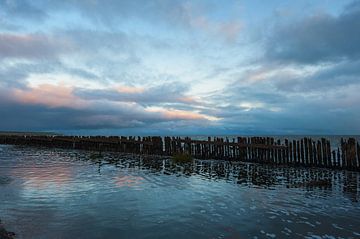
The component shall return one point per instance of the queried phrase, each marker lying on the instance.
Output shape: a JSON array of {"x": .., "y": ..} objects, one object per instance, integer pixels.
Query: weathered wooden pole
[
  {"x": 358, "y": 156},
  {"x": 319, "y": 155},
  {"x": 324, "y": 156},
  {"x": 311, "y": 152},
  {"x": 295, "y": 152},
  {"x": 299, "y": 162},
  {"x": 306, "y": 148},
  {"x": 291, "y": 155},
  {"x": 351, "y": 154},
  {"x": 343, "y": 153},
  {"x": 338, "y": 163},
  {"x": 302, "y": 152},
  {"x": 328, "y": 147}
]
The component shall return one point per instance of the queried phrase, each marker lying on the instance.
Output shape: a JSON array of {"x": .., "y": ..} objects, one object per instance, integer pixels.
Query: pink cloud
[
  {"x": 130, "y": 89},
  {"x": 196, "y": 18},
  {"x": 173, "y": 114},
  {"x": 50, "y": 95}
]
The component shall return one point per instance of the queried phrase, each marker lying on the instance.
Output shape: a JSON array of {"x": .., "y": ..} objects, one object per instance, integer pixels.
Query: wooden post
[
  {"x": 223, "y": 148},
  {"x": 239, "y": 153},
  {"x": 315, "y": 154},
  {"x": 343, "y": 153},
  {"x": 311, "y": 153},
  {"x": 291, "y": 160},
  {"x": 334, "y": 159},
  {"x": 247, "y": 149},
  {"x": 338, "y": 163},
  {"x": 306, "y": 147},
  {"x": 298, "y": 152},
  {"x": 351, "y": 154},
  {"x": 267, "y": 151},
  {"x": 252, "y": 148},
  {"x": 319, "y": 155},
  {"x": 287, "y": 156},
  {"x": 358, "y": 156},
  {"x": 208, "y": 148},
  {"x": 272, "y": 151},
  {"x": 302, "y": 152},
  {"x": 277, "y": 153},
  {"x": 324, "y": 152},
  {"x": 328, "y": 147},
  {"x": 295, "y": 152}
]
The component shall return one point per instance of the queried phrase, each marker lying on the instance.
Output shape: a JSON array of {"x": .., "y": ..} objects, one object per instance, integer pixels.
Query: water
[{"x": 47, "y": 193}]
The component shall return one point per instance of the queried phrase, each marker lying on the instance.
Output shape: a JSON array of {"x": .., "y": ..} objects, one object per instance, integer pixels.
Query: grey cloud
[
  {"x": 12, "y": 77},
  {"x": 15, "y": 76},
  {"x": 30, "y": 46},
  {"x": 301, "y": 117},
  {"x": 111, "y": 12},
  {"x": 28, "y": 116},
  {"x": 327, "y": 78},
  {"x": 333, "y": 110},
  {"x": 260, "y": 92},
  {"x": 165, "y": 93},
  {"x": 113, "y": 55},
  {"x": 319, "y": 38},
  {"x": 22, "y": 9}
]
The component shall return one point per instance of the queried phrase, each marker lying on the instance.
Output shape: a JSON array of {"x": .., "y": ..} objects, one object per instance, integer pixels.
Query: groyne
[{"x": 304, "y": 152}]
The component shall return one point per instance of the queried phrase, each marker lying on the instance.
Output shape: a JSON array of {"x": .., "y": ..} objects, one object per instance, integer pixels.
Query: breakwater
[{"x": 267, "y": 150}]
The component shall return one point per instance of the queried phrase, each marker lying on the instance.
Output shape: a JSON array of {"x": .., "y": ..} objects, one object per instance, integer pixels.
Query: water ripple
[{"x": 74, "y": 194}]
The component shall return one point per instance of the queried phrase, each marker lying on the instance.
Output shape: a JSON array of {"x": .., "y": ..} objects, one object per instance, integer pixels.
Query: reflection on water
[
  {"x": 40, "y": 178},
  {"x": 69, "y": 194},
  {"x": 128, "y": 181}
]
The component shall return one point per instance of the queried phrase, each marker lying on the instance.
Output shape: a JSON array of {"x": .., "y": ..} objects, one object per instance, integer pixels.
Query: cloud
[
  {"x": 290, "y": 100},
  {"x": 56, "y": 107},
  {"x": 22, "y": 9},
  {"x": 175, "y": 114},
  {"x": 318, "y": 38},
  {"x": 164, "y": 93},
  {"x": 300, "y": 115},
  {"x": 109, "y": 14},
  {"x": 326, "y": 78},
  {"x": 31, "y": 46},
  {"x": 12, "y": 77},
  {"x": 53, "y": 96},
  {"x": 16, "y": 75},
  {"x": 158, "y": 66}
]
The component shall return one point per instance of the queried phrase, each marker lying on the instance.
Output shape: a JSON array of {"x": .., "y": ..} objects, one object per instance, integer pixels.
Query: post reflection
[{"x": 244, "y": 174}]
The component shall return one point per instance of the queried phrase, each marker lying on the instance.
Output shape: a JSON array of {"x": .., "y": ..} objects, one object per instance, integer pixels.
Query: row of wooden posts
[{"x": 302, "y": 152}]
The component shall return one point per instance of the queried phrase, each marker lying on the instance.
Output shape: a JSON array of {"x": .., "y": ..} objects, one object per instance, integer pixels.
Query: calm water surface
[{"x": 47, "y": 193}]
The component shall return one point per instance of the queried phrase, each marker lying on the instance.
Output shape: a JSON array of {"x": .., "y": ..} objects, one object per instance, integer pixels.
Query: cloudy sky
[{"x": 180, "y": 66}]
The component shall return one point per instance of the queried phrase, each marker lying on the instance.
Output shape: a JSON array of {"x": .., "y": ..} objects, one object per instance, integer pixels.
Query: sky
[{"x": 180, "y": 67}]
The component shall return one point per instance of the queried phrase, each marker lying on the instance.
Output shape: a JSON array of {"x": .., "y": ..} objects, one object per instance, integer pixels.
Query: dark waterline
[{"x": 47, "y": 193}]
